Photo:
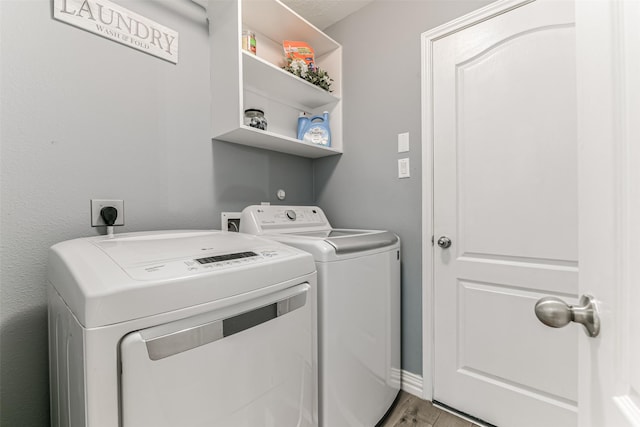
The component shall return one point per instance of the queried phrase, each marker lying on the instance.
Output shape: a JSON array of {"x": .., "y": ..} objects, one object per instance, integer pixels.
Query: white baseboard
[{"x": 412, "y": 383}]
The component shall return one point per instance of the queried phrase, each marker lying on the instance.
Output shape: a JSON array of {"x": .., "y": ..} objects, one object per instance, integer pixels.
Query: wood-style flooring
[{"x": 410, "y": 411}]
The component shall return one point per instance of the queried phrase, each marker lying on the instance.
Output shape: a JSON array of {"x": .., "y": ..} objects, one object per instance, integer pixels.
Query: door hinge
[{"x": 432, "y": 240}]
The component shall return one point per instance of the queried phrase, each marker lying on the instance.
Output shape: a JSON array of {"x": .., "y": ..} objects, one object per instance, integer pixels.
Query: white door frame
[{"x": 428, "y": 38}]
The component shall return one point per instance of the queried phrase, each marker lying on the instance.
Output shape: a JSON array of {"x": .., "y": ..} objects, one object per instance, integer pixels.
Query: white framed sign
[{"x": 116, "y": 23}]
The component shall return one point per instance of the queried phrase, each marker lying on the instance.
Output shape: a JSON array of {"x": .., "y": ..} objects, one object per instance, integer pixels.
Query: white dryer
[
  {"x": 181, "y": 329},
  {"x": 358, "y": 309}
]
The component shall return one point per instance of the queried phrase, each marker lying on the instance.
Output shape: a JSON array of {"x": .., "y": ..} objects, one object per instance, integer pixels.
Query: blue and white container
[{"x": 315, "y": 130}]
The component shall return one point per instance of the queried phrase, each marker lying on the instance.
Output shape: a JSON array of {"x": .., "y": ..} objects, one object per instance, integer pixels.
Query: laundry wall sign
[{"x": 116, "y": 23}]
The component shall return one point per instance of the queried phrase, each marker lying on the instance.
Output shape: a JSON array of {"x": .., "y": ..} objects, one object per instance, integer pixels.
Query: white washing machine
[
  {"x": 358, "y": 309},
  {"x": 182, "y": 329}
]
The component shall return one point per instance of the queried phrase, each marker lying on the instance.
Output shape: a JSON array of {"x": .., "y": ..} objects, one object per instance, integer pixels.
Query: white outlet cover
[{"x": 98, "y": 204}]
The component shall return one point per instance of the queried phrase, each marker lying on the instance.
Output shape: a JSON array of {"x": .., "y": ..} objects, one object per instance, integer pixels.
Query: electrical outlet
[
  {"x": 230, "y": 221},
  {"x": 98, "y": 204}
]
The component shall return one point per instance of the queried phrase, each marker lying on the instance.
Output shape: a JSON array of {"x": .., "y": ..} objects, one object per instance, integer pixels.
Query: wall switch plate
[
  {"x": 230, "y": 221},
  {"x": 403, "y": 142},
  {"x": 98, "y": 204},
  {"x": 403, "y": 168}
]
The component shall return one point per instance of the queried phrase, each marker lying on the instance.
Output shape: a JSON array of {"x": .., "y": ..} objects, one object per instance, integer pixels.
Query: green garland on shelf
[{"x": 316, "y": 76}]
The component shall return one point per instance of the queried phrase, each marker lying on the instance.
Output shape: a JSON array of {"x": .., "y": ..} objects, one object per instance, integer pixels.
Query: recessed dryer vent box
[{"x": 230, "y": 221}]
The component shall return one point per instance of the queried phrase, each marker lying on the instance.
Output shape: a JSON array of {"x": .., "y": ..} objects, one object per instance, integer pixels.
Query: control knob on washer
[{"x": 291, "y": 214}]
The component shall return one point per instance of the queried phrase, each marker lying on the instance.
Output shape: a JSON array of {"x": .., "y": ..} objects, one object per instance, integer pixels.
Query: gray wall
[
  {"x": 381, "y": 98},
  {"x": 82, "y": 117}
]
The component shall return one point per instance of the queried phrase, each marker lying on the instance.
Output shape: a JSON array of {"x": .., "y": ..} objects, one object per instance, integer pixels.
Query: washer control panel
[
  {"x": 291, "y": 214},
  {"x": 260, "y": 218}
]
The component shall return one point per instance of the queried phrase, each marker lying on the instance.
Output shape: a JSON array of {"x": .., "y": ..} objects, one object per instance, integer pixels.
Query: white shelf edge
[
  {"x": 246, "y": 135},
  {"x": 261, "y": 77},
  {"x": 283, "y": 23}
]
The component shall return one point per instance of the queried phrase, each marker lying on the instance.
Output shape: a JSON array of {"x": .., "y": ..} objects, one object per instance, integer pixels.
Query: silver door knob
[
  {"x": 444, "y": 242},
  {"x": 556, "y": 313}
]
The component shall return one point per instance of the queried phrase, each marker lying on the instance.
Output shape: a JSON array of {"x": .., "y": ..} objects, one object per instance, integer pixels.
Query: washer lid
[
  {"x": 346, "y": 240},
  {"x": 307, "y": 228},
  {"x": 361, "y": 241}
]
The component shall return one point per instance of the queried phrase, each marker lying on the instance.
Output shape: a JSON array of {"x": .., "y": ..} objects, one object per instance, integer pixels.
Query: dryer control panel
[
  {"x": 168, "y": 256},
  {"x": 110, "y": 279},
  {"x": 206, "y": 264}
]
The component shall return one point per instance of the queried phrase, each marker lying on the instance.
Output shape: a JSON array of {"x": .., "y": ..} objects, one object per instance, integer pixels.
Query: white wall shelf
[
  {"x": 263, "y": 77},
  {"x": 241, "y": 80},
  {"x": 252, "y": 137}
]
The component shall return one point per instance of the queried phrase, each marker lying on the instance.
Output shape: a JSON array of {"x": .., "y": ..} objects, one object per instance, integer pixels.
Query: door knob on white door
[
  {"x": 556, "y": 313},
  {"x": 444, "y": 242}
]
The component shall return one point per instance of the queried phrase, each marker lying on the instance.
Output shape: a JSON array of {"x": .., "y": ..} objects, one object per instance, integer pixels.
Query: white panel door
[
  {"x": 608, "y": 37},
  {"x": 505, "y": 194}
]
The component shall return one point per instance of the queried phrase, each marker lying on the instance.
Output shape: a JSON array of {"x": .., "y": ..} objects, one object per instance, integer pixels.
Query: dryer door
[{"x": 248, "y": 365}]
